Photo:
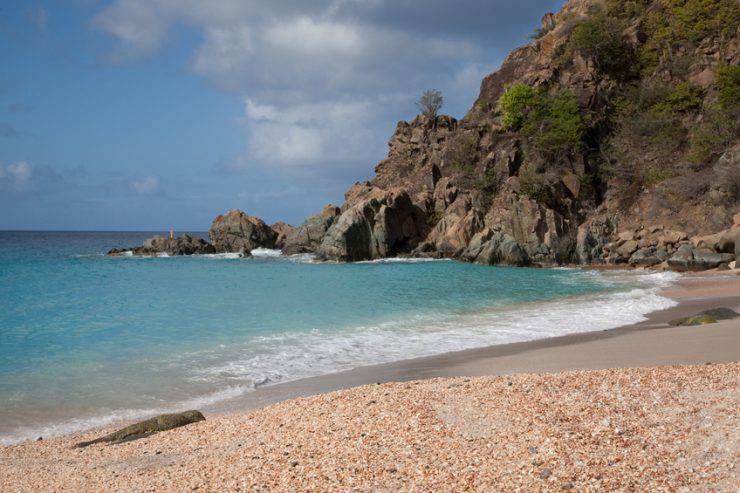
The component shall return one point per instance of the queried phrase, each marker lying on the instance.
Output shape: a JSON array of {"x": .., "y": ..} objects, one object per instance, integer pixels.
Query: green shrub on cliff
[
  {"x": 516, "y": 102},
  {"x": 719, "y": 124},
  {"x": 683, "y": 97},
  {"x": 533, "y": 185},
  {"x": 711, "y": 136},
  {"x": 599, "y": 39},
  {"x": 727, "y": 83},
  {"x": 553, "y": 123},
  {"x": 674, "y": 23}
]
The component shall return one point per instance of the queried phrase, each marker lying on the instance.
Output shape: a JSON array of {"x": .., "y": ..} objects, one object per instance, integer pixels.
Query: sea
[{"x": 88, "y": 340}]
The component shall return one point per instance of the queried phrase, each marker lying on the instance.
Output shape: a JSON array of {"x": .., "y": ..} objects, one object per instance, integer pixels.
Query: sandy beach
[{"x": 643, "y": 407}]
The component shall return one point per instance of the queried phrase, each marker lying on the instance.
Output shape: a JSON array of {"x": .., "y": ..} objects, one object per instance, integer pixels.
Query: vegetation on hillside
[{"x": 552, "y": 123}]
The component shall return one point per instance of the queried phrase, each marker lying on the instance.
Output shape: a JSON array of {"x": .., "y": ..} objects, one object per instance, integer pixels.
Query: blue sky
[{"x": 151, "y": 114}]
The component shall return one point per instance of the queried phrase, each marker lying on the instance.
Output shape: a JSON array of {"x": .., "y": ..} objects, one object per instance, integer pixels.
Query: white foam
[
  {"x": 266, "y": 252},
  {"x": 403, "y": 260},
  {"x": 86, "y": 423},
  {"x": 220, "y": 256},
  {"x": 303, "y": 258},
  {"x": 294, "y": 355}
]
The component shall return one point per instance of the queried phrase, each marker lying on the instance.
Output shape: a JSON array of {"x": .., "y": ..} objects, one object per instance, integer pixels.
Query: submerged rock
[
  {"x": 236, "y": 231},
  {"x": 148, "y": 427}
]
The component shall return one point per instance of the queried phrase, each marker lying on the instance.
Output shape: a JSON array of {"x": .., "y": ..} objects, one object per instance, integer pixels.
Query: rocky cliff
[{"x": 611, "y": 138}]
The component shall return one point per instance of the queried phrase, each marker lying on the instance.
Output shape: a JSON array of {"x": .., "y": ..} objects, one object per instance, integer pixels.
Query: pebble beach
[{"x": 663, "y": 428}]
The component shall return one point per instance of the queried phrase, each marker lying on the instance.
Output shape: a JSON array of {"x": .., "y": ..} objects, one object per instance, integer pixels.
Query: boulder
[
  {"x": 672, "y": 237},
  {"x": 683, "y": 257},
  {"x": 688, "y": 258},
  {"x": 283, "y": 230},
  {"x": 308, "y": 236},
  {"x": 729, "y": 242},
  {"x": 707, "y": 241},
  {"x": 706, "y": 317},
  {"x": 495, "y": 248},
  {"x": 646, "y": 257},
  {"x": 627, "y": 248},
  {"x": 378, "y": 227},
  {"x": 236, "y": 231},
  {"x": 705, "y": 258},
  {"x": 592, "y": 240},
  {"x": 153, "y": 425}
]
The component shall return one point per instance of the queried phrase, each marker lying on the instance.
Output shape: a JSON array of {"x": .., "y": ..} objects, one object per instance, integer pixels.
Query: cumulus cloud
[
  {"x": 322, "y": 79},
  {"x": 17, "y": 176},
  {"x": 146, "y": 186},
  {"x": 302, "y": 134}
]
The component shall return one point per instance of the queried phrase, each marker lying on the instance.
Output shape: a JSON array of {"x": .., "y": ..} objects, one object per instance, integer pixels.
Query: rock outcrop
[
  {"x": 236, "y": 231},
  {"x": 157, "y": 245},
  {"x": 307, "y": 237},
  {"x": 476, "y": 190},
  {"x": 283, "y": 230},
  {"x": 383, "y": 224},
  {"x": 163, "y": 422},
  {"x": 568, "y": 179}
]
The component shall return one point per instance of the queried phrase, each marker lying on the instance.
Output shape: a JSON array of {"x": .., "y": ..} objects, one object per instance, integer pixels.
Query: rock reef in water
[
  {"x": 236, "y": 231},
  {"x": 157, "y": 245}
]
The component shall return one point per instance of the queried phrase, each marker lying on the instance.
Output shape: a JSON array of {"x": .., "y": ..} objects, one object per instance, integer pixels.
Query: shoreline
[
  {"x": 693, "y": 292},
  {"x": 539, "y": 415}
]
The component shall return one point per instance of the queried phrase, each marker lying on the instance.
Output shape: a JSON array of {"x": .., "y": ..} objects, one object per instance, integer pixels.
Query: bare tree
[{"x": 430, "y": 102}]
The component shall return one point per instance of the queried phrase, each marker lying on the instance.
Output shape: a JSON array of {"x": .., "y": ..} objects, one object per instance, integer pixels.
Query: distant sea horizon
[{"x": 87, "y": 339}]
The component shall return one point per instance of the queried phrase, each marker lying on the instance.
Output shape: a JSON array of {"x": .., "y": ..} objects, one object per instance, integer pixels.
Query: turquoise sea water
[{"x": 86, "y": 339}]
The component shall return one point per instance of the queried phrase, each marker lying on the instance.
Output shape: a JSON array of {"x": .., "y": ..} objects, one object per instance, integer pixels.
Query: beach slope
[{"x": 666, "y": 427}]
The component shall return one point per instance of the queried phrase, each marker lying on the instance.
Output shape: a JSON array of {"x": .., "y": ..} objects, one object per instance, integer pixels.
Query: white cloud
[
  {"x": 18, "y": 175},
  {"x": 145, "y": 186},
  {"x": 321, "y": 80},
  {"x": 294, "y": 136},
  {"x": 308, "y": 37}
]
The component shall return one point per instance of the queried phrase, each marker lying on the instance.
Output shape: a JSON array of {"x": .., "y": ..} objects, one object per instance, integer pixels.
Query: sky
[{"x": 156, "y": 114}]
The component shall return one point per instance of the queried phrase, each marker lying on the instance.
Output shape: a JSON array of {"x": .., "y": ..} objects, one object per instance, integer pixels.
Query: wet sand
[{"x": 649, "y": 343}]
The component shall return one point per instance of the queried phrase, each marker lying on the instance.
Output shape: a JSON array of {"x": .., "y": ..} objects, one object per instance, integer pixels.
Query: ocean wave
[
  {"x": 266, "y": 252},
  {"x": 294, "y": 355},
  {"x": 403, "y": 260},
  {"x": 220, "y": 256}
]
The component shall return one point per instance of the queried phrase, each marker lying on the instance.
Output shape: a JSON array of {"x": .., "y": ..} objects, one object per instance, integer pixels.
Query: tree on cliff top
[{"x": 430, "y": 102}]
